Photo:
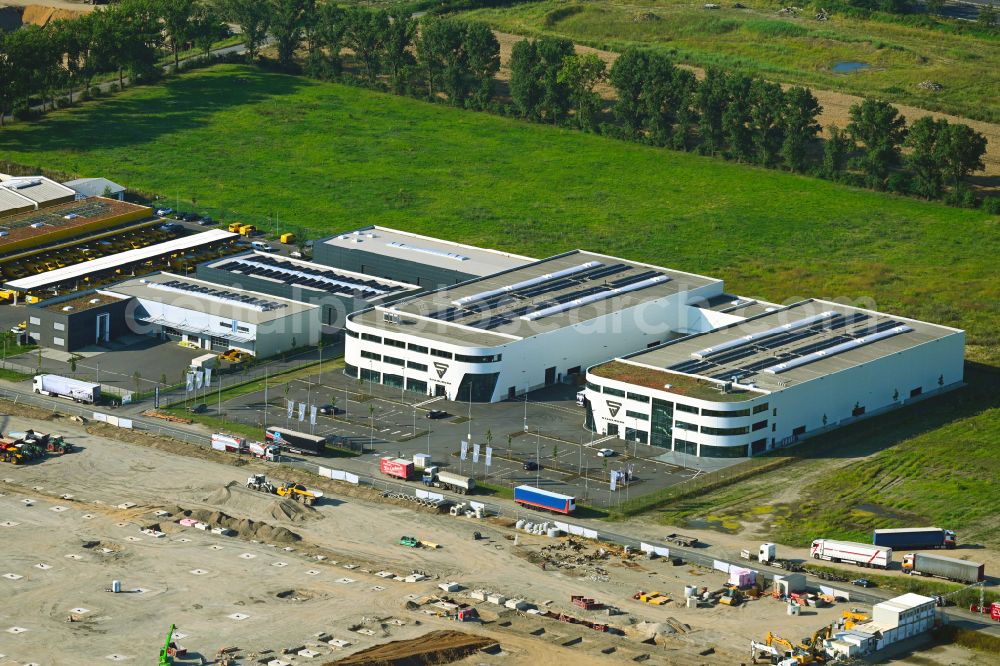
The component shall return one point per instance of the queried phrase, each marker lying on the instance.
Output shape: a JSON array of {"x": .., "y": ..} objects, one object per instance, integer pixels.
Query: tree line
[{"x": 728, "y": 114}]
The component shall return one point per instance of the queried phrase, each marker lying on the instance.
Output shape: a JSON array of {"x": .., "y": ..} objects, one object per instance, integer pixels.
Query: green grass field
[
  {"x": 331, "y": 158},
  {"x": 790, "y": 49}
]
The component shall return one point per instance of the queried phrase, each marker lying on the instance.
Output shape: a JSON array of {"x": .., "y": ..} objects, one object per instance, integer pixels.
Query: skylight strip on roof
[
  {"x": 593, "y": 298},
  {"x": 454, "y": 256},
  {"x": 784, "y": 328},
  {"x": 832, "y": 351},
  {"x": 472, "y": 298}
]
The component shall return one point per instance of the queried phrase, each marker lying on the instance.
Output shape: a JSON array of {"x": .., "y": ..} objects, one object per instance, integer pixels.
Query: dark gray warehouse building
[
  {"x": 428, "y": 263},
  {"x": 338, "y": 291}
]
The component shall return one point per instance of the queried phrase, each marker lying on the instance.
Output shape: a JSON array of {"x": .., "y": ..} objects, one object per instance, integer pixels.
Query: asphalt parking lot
[{"x": 547, "y": 428}]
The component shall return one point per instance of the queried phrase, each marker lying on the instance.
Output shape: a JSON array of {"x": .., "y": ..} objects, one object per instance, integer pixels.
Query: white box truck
[
  {"x": 861, "y": 554},
  {"x": 64, "y": 387}
]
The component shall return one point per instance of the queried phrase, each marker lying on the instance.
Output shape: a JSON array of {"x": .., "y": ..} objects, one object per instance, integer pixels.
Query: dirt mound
[
  {"x": 437, "y": 647},
  {"x": 246, "y": 528},
  {"x": 296, "y": 595},
  {"x": 243, "y": 500},
  {"x": 41, "y": 16}
]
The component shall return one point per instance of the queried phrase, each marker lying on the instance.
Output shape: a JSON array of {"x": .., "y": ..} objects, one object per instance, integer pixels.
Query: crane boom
[{"x": 165, "y": 659}]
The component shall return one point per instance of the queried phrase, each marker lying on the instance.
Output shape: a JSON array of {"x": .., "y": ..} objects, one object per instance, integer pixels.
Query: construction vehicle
[
  {"x": 260, "y": 483},
  {"x": 781, "y": 651},
  {"x": 409, "y": 542},
  {"x": 247, "y": 230},
  {"x": 299, "y": 493},
  {"x": 654, "y": 598},
  {"x": 454, "y": 482},
  {"x": 731, "y": 596},
  {"x": 855, "y": 616},
  {"x": 681, "y": 540},
  {"x": 234, "y": 227},
  {"x": 170, "y": 651},
  {"x": 235, "y": 356}
]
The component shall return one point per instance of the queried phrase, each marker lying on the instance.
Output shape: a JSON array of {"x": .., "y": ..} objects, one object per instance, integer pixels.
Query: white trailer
[
  {"x": 861, "y": 554},
  {"x": 64, "y": 387},
  {"x": 454, "y": 482}
]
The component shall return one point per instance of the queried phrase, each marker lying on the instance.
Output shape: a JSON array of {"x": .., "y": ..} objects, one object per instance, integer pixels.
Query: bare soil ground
[
  {"x": 70, "y": 525},
  {"x": 436, "y": 647},
  {"x": 835, "y": 105}
]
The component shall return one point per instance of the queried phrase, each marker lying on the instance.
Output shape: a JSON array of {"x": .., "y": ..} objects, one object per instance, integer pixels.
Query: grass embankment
[
  {"x": 13, "y": 376},
  {"x": 241, "y": 139},
  {"x": 790, "y": 49},
  {"x": 942, "y": 471}
]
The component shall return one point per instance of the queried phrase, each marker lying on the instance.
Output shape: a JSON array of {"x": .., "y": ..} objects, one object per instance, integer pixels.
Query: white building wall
[
  {"x": 816, "y": 405},
  {"x": 524, "y": 361}
]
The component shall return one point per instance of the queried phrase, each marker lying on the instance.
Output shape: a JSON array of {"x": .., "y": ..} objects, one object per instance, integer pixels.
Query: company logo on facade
[
  {"x": 441, "y": 369},
  {"x": 613, "y": 407}
]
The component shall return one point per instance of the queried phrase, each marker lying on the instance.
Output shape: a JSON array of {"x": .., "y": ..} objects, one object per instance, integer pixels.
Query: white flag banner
[
  {"x": 189, "y": 381},
  {"x": 198, "y": 377},
  {"x": 614, "y": 480},
  {"x": 465, "y": 449},
  {"x": 208, "y": 376},
  {"x": 489, "y": 456},
  {"x": 312, "y": 415},
  {"x": 475, "y": 453},
  {"x": 291, "y": 406},
  {"x": 302, "y": 411}
]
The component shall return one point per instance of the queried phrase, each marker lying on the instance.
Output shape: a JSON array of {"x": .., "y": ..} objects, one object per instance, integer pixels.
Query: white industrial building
[
  {"x": 217, "y": 317},
  {"x": 771, "y": 377},
  {"x": 492, "y": 338},
  {"x": 895, "y": 620}
]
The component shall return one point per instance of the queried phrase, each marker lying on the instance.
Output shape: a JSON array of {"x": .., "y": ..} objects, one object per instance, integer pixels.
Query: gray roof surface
[
  {"x": 308, "y": 275},
  {"x": 94, "y": 187},
  {"x": 426, "y": 250},
  {"x": 38, "y": 188},
  {"x": 12, "y": 202},
  {"x": 493, "y": 320},
  {"x": 750, "y": 362},
  {"x": 144, "y": 288}
]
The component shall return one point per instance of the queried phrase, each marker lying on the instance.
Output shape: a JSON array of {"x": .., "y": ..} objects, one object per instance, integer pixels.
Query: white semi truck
[
  {"x": 454, "y": 482},
  {"x": 861, "y": 554},
  {"x": 64, "y": 387}
]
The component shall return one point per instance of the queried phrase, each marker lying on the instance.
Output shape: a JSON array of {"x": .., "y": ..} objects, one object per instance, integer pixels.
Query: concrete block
[
  {"x": 450, "y": 587},
  {"x": 497, "y": 599}
]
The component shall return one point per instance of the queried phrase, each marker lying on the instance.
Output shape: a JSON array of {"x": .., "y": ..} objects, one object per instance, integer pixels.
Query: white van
[{"x": 262, "y": 246}]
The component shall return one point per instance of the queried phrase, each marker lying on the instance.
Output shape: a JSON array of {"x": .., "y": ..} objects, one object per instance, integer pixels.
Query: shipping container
[
  {"x": 544, "y": 499},
  {"x": 64, "y": 387},
  {"x": 940, "y": 566},
  {"x": 861, "y": 554},
  {"x": 401, "y": 468},
  {"x": 914, "y": 537},
  {"x": 297, "y": 442}
]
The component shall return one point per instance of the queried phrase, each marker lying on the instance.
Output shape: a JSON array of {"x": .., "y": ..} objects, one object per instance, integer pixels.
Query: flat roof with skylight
[
  {"x": 546, "y": 295},
  {"x": 792, "y": 345},
  {"x": 423, "y": 249}
]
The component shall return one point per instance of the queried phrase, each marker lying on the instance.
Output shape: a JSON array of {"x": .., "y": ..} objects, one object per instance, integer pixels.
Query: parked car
[
  {"x": 200, "y": 408},
  {"x": 327, "y": 409},
  {"x": 436, "y": 414},
  {"x": 163, "y": 212},
  {"x": 530, "y": 466},
  {"x": 206, "y": 221},
  {"x": 295, "y": 255},
  {"x": 862, "y": 582},
  {"x": 605, "y": 453},
  {"x": 262, "y": 246},
  {"x": 191, "y": 217},
  {"x": 178, "y": 215},
  {"x": 168, "y": 226}
]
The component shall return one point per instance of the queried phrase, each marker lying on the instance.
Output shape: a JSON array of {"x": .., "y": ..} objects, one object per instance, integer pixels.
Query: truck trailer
[
  {"x": 537, "y": 498},
  {"x": 861, "y": 554},
  {"x": 229, "y": 443},
  {"x": 297, "y": 442},
  {"x": 64, "y": 387},
  {"x": 915, "y": 538},
  {"x": 454, "y": 482},
  {"x": 401, "y": 468},
  {"x": 950, "y": 568}
]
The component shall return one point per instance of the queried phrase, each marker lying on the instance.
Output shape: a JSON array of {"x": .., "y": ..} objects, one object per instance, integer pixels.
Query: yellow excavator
[
  {"x": 853, "y": 617},
  {"x": 294, "y": 491}
]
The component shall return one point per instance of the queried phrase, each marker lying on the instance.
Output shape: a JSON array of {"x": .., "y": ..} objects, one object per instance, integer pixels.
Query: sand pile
[
  {"x": 243, "y": 500},
  {"x": 246, "y": 528},
  {"x": 437, "y": 647}
]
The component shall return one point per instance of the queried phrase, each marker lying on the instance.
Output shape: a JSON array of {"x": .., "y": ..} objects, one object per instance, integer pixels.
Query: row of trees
[{"x": 127, "y": 38}]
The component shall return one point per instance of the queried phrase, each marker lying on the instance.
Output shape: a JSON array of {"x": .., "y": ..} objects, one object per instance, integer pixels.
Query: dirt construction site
[{"x": 251, "y": 578}]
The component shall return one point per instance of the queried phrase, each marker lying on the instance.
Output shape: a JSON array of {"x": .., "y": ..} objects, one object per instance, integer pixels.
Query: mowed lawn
[
  {"x": 332, "y": 158},
  {"x": 787, "y": 48}
]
